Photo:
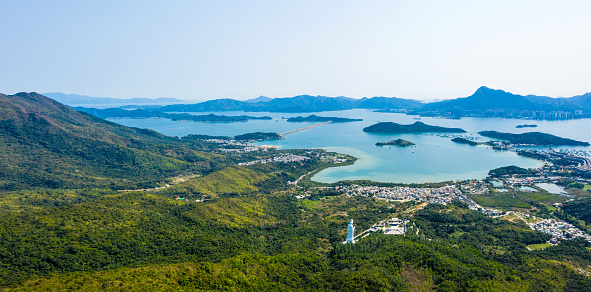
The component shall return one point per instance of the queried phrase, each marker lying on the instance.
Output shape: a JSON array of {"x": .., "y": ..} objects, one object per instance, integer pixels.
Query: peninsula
[
  {"x": 315, "y": 118},
  {"x": 258, "y": 136},
  {"x": 533, "y": 138},
  {"x": 397, "y": 142},
  {"x": 464, "y": 141},
  {"x": 417, "y": 127}
]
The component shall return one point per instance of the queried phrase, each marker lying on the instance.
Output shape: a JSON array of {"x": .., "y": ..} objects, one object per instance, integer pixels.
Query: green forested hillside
[
  {"x": 141, "y": 242},
  {"x": 417, "y": 127},
  {"x": 66, "y": 225},
  {"x": 46, "y": 144}
]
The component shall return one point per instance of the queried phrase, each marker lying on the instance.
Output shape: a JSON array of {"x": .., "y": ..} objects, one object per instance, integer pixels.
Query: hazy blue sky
[{"x": 199, "y": 50}]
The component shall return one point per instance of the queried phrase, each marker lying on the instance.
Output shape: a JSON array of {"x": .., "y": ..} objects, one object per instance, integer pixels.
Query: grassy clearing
[
  {"x": 532, "y": 219},
  {"x": 543, "y": 197},
  {"x": 588, "y": 187},
  {"x": 578, "y": 192},
  {"x": 309, "y": 204},
  {"x": 231, "y": 180},
  {"x": 506, "y": 201},
  {"x": 513, "y": 218},
  {"x": 539, "y": 246}
]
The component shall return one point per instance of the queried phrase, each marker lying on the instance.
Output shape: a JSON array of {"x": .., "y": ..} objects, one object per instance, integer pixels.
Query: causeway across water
[{"x": 283, "y": 134}]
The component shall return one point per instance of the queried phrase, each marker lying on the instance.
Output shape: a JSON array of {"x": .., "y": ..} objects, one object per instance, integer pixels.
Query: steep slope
[
  {"x": 579, "y": 102},
  {"x": 300, "y": 103},
  {"x": 417, "y": 127},
  {"x": 47, "y": 144},
  {"x": 305, "y": 103},
  {"x": 224, "y": 104},
  {"x": 380, "y": 102},
  {"x": 485, "y": 98}
]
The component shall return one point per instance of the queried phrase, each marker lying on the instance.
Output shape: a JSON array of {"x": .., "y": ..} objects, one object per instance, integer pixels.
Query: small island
[
  {"x": 315, "y": 118},
  {"x": 417, "y": 127},
  {"x": 464, "y": 141},
  {"x": 258, "y": 136},
  {"x": 533, "y": 138},
  {"x": 397, "y": 142},
  {"x": 526, "y": 126}
]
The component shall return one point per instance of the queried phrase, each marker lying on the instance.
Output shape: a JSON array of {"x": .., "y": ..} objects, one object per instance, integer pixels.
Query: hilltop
[
  {"x": 46, "y": 144},
  {"x": 300, "y": 103},
  {"x": 397, "y": 142},
  {"x": 315, "y": 118},
  {"x": 533, "y": 138},
  {"x": 417, "y": 127},
  {"x": 487, "y": 102}
]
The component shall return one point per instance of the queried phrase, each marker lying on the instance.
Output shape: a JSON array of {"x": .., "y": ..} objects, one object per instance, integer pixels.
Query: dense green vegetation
[
  {"x": 220, "y": 226},
  {"x": 315, "y": 118},
  {"x": 510, "y": 170},
  {"x": 577, "y": 212},
  {"x": 258, "y": 136},
  {"x": 135, "y": 241},
  {"x": 464, "y": 141},
  {"x": 533, "y": 138},
  {"x": 417, "y": 127},
  {"x": 45, "y": 144},
  {"x": 397, "y": 142}
]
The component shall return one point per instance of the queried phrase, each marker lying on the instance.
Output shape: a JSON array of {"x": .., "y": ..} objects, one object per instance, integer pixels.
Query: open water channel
[{"x": 434, "y": 158}]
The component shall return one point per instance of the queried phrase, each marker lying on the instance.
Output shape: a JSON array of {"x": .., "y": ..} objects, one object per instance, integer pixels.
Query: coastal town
[
  {"x": 550, "y": 174},
  {"x": 558, "y": 229},
  {"x": 281, "y": 158}
]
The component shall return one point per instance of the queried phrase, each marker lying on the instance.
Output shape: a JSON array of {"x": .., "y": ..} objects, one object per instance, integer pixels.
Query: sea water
[{"x": 434, "y": 158}]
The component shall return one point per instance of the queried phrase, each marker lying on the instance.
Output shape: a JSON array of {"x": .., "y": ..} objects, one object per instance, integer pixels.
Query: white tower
[{"x": 351, "y": 232}]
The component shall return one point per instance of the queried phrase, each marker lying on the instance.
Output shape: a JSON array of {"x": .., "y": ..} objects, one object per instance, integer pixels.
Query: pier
[{"x": 283, "y": 134}]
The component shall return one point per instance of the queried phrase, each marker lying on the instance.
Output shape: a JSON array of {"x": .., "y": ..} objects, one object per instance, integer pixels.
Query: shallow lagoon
[
  {"x": 552, "y": 188},
  {"x": 527, "y": 189},
  {"x": 434, "y": 158}
]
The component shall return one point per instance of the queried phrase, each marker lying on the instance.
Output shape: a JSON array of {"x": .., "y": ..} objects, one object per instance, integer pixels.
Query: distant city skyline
[{"x": 201, "y": 50}]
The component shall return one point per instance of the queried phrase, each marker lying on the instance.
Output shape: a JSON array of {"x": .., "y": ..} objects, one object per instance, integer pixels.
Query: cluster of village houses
[
  {"x": 282, "y": 158},
  {"x": 443, "y": 195},
  {"x": 559, "y": 230}
]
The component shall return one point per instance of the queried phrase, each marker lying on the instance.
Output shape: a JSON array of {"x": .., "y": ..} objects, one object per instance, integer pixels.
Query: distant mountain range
[
  {"x": 498, "y": 103},
  {"x": 485, "y": 102},
  {"x": 296, "y": 104},
  {"x": 84, "y": 100},
  {"x": 141, "y": 113}
]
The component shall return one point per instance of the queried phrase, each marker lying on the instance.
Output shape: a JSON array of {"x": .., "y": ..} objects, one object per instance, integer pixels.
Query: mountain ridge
[
  {"x": 47, "y": 144},
  {"x": 79, "y": 99},
  {"x": 484, "y": 102}
]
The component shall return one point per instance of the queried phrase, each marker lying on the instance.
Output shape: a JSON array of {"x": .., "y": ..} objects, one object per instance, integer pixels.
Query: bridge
[{"x": 283, "y": 134}]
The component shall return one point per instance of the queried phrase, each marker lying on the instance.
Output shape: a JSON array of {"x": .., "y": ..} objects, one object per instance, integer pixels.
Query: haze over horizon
[{"x": 197, "y": 50}]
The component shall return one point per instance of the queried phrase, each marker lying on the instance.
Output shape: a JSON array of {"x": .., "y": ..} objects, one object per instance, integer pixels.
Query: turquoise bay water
[{"x": 434, "y": 158}]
